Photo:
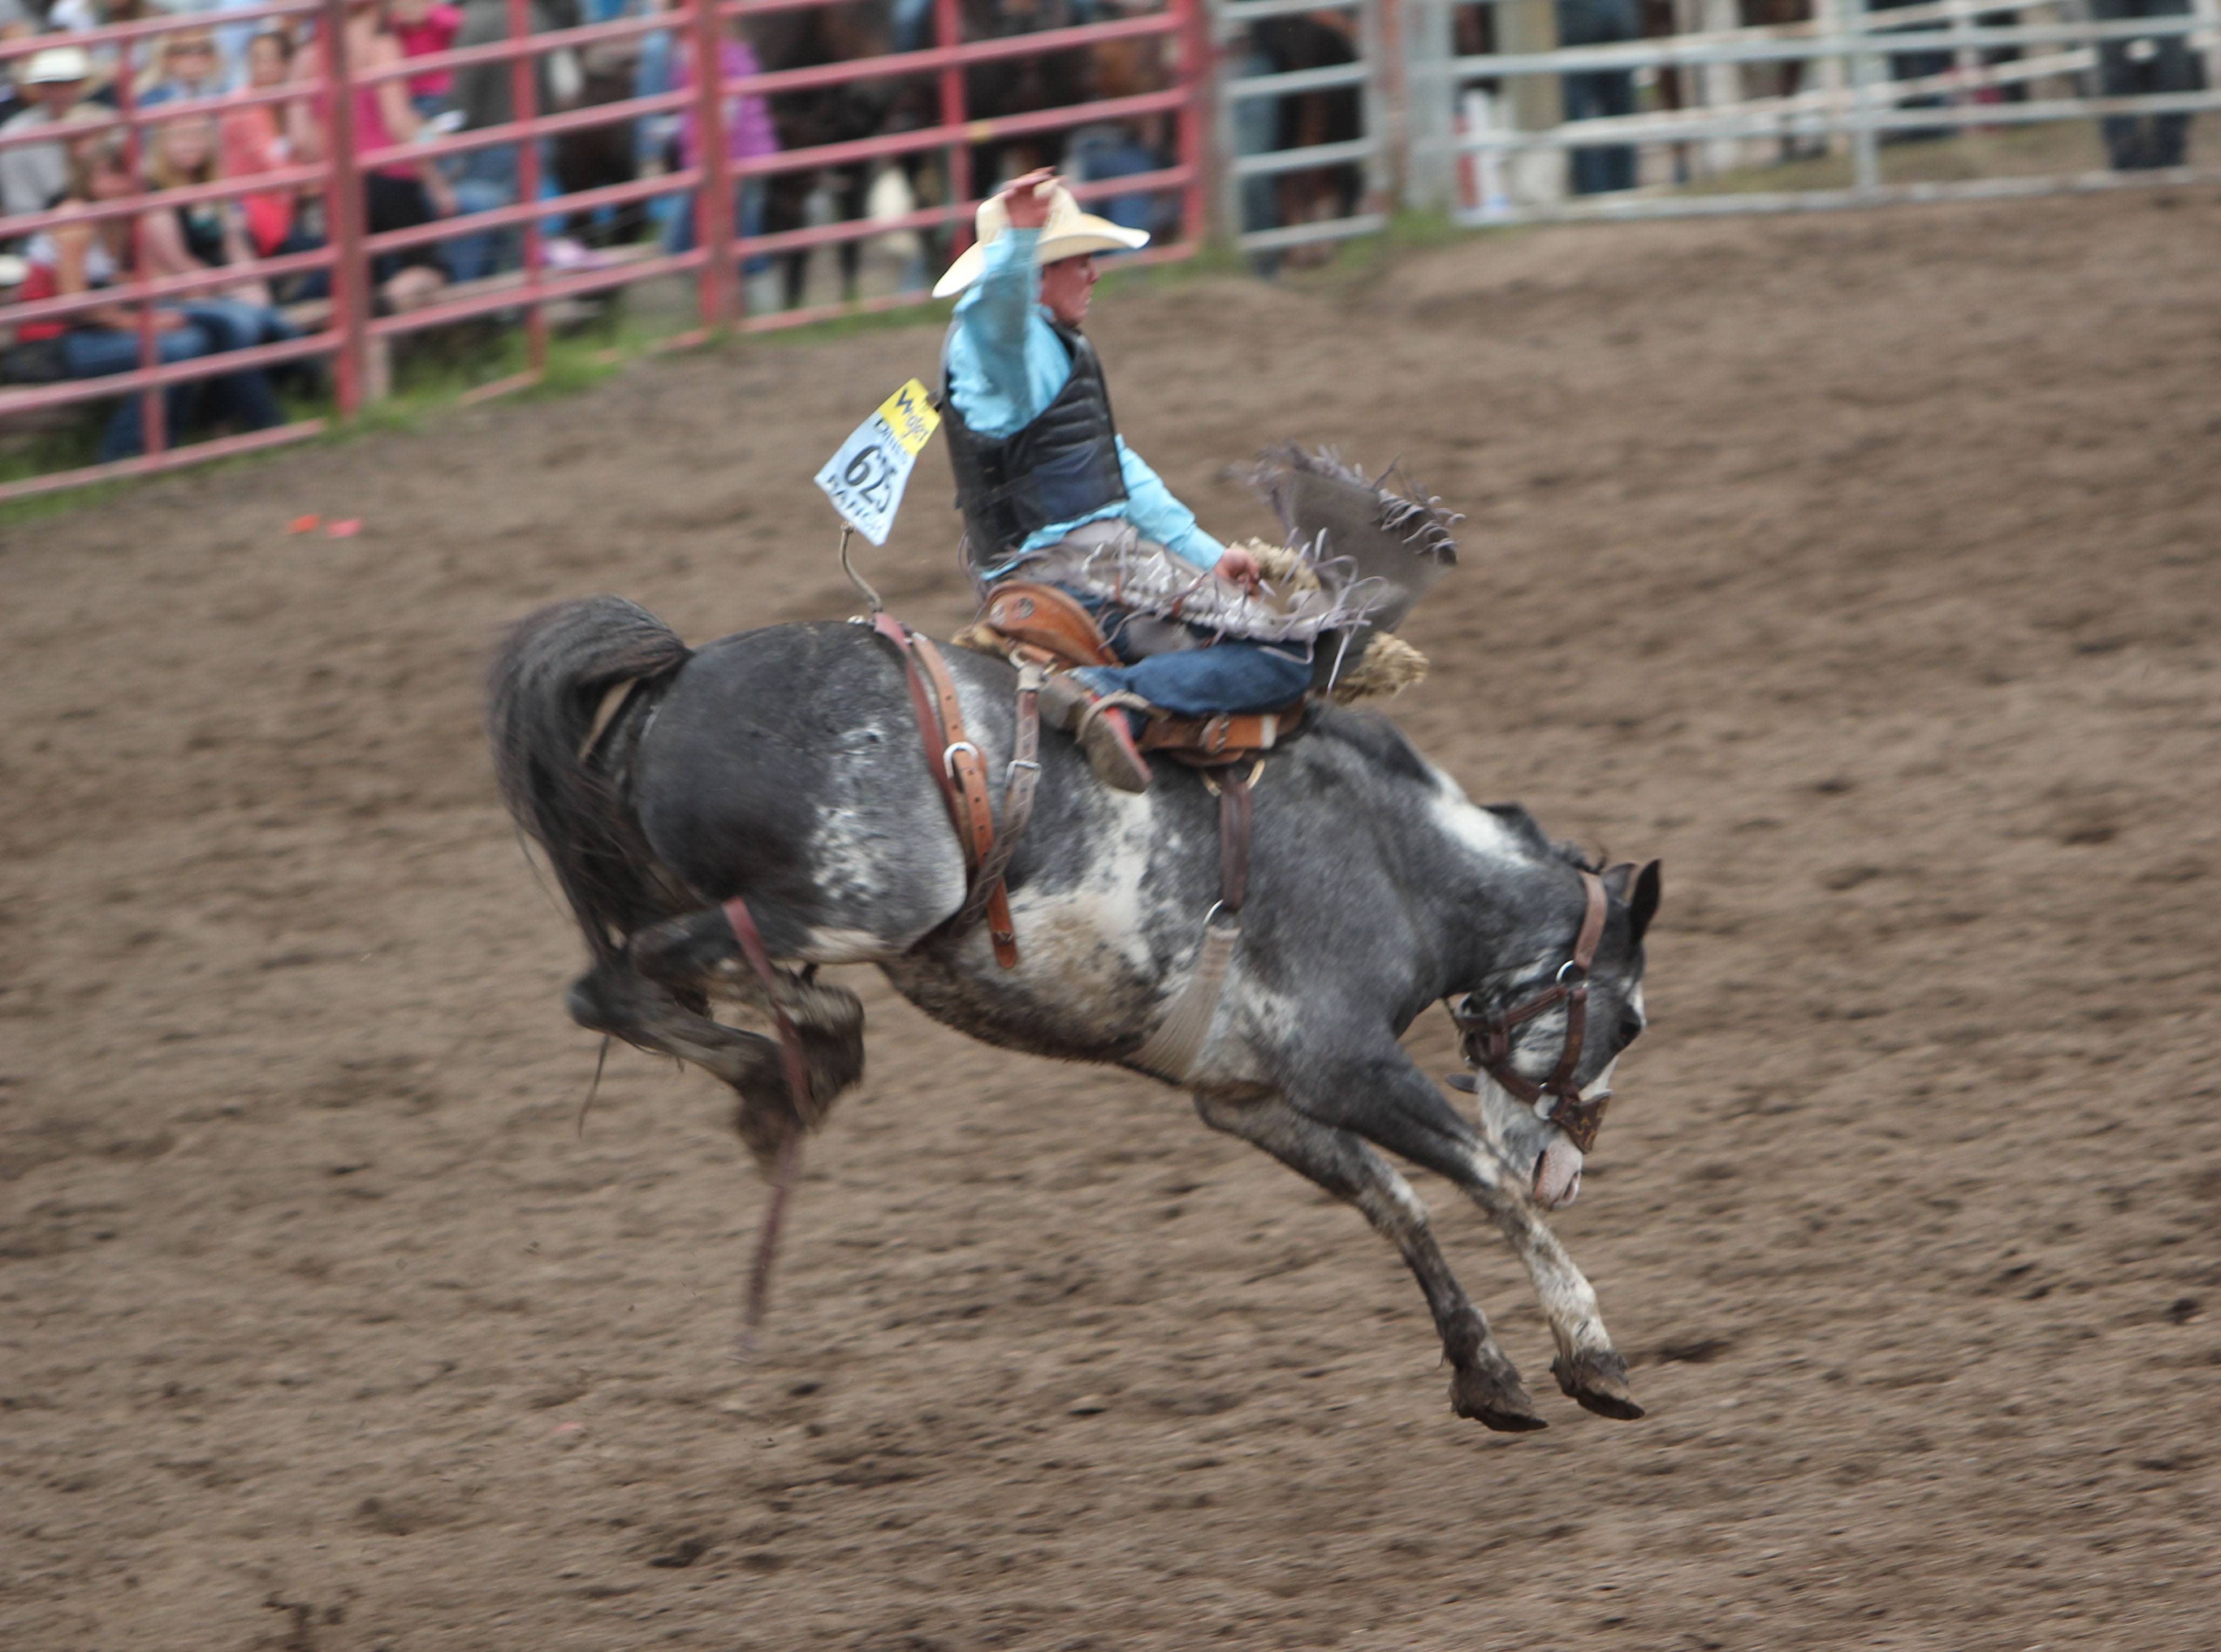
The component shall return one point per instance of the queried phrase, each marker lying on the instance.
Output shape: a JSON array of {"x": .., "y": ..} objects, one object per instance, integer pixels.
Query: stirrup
[
  {"x": 1112, "y": 752},
  {"x": 1119, "y": 699}
]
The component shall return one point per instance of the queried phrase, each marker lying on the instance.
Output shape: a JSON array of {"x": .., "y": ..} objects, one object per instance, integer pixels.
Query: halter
[{"x": 1488, "y": 1040}]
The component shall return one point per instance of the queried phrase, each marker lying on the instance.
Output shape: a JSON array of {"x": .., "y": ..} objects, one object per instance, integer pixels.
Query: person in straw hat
[
  {"x": 32, "y": 175},
  {"x": 1050, "y": 492}
]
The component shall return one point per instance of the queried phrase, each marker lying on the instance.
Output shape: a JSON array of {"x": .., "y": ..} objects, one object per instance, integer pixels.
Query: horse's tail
[{"x": 544, "y": 693}]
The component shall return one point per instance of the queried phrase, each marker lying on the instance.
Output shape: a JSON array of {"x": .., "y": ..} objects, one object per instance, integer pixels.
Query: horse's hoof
[
  {"x": 1597, "y": 1382},
  {"x": 1495, "y": 1402}
]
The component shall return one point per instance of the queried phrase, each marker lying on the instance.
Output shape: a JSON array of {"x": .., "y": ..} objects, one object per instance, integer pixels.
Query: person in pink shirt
[
  {"x": 748, "y": 134},
  {"x": 265, "y": 137},
  {"x": 423, "y": 27}
]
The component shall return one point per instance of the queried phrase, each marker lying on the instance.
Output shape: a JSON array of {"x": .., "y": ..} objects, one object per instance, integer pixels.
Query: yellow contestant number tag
[
  {"x": 865, "y": 479},
  {"x": 910, "y": 417}
]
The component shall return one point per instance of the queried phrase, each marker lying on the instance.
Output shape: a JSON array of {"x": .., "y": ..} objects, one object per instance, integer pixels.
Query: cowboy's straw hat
[
  {"x": 56, "y": 63},
  {"x": 1068, "y": 233}
]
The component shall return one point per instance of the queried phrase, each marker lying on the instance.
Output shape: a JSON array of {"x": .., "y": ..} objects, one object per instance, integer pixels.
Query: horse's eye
[{"x": 1630, "y": 1028}]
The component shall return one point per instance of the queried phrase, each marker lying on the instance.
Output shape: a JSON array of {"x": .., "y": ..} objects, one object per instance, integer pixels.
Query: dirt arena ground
[{"x": 1865, "y": 569}]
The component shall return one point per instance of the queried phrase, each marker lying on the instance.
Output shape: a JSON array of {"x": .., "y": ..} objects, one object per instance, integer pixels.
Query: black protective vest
[{"x": 1063, "y": 464}]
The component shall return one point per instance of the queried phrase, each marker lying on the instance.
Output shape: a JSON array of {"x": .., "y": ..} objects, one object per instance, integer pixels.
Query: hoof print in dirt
[
  {"x": 1494, "y": 1402},
  {"x": 1598, "y": 1382}
]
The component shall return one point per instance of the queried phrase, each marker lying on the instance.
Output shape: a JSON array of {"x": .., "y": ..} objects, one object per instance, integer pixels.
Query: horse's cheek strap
[{"x": 1577, "y": 1025}]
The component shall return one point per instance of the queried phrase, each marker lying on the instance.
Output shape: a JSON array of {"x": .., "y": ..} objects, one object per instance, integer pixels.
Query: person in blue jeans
[
  {"x": 492, "y": 176},
  {"x": 2157, "y": 63},
  {"x": 182, "y": 335},
  {"x": 749, "y": 134},
  {"x": 82, "y": 258},
  {"x": 1600, "y": 93},
  {"x": 1051, "y": 493},
  {"x": 97, "y": 352}
]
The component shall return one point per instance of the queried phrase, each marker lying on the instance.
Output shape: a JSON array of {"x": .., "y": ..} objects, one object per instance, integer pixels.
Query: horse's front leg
[
  {"x": 1484, "y": 1383},
  {"x": 1391, "y": 1102},
  {"x": 1589, "y": 1369}
]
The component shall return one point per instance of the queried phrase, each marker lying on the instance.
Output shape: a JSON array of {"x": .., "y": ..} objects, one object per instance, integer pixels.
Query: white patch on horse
[
  {"x": 1568, "y": 1300},
  {"x": 850, "y": 852},
  {"x": 838, "y": 946},
  {"x": 1465, "y": 822},
  {"x": 1251, "y": 1015},
  {"x": 1406, "y": 1197},
  {"x": 1079, "y": 946}
]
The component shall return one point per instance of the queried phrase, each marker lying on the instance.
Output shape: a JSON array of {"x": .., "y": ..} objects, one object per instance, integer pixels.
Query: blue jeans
[
  {"x": 679, "y": 235},
  {"x": 1599, "y": 94},
  {"x": 97, "y": 352},
  {"x": 1230, "y": 677},
  {"x": 489, "y": 179},
  {"x": 213, "y": 326},
  {"x": 294, "y": 289},
  {"x": 234, "y": 324},
  {"x": 1096, "y": 152},
  {"x": 1256, "y": 127},
  {"x": 2134, "y": 142},
  {"x": 913, "y": 25}
]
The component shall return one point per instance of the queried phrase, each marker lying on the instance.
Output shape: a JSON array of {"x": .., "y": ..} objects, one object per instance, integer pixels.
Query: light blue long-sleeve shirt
[{"x": 1006, "y": 364}]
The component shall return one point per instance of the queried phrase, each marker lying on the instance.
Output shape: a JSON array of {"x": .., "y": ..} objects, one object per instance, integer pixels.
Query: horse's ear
[
  {"x": 1643, "y": 904},
  {"x": 1637, "y": 884}
]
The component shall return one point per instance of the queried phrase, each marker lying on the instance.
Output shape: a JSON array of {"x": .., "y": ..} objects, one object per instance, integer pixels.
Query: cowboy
[{"x": 1049, "y": 490}]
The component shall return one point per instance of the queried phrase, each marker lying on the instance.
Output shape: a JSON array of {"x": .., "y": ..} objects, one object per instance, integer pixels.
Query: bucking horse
[{"x": 727, "y": 819}]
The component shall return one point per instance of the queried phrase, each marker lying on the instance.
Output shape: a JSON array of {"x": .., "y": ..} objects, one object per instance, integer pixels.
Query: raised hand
[{"x": 1026, "y": 198}]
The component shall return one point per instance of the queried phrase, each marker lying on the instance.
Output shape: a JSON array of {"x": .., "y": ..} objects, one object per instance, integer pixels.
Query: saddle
[{"x": 1040, "y": 626}]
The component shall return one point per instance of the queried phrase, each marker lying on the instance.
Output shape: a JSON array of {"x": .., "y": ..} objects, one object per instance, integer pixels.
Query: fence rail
[{"x": 1248, "y": 161}]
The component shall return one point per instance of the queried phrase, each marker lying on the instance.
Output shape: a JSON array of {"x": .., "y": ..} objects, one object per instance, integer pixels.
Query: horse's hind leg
[
  {"x": 1484, "y": 1383},
  {"x": 617, "y": 999},
  {"x": 658, "y": 998},
  {"x": 697, "y": 955}
]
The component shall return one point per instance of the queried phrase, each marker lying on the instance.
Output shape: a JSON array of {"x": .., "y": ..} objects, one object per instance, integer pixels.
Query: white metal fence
[
  {"x": 1260, "y": 102},
  {"x": 1490, "y": 134}
]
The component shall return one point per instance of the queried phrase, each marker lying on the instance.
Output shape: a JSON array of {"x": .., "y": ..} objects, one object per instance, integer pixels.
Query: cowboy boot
[{"x": 1101, "y": 727}]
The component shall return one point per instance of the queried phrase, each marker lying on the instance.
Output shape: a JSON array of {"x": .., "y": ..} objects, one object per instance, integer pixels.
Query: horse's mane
[
  {"x": 1515, "y": 815},
  {"x": 1372, "y": 737}
]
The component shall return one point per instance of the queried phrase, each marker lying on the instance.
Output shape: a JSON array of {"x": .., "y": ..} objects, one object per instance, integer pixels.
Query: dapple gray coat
[{"x": 784, "y": 765}]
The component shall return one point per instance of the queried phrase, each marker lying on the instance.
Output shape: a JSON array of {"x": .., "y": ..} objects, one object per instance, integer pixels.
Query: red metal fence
[{"x": 354, "y": 337}]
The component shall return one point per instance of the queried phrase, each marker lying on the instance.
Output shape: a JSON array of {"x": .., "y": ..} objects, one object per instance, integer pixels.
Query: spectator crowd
[{"x": 205, "y": 99}]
